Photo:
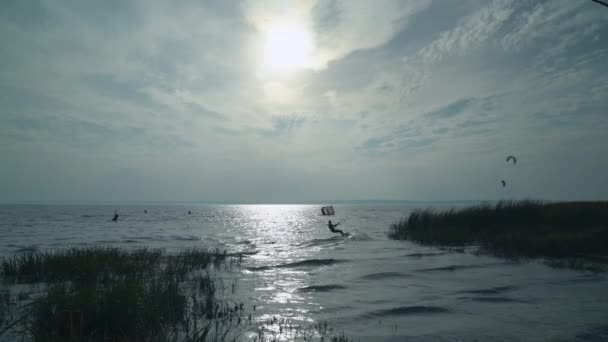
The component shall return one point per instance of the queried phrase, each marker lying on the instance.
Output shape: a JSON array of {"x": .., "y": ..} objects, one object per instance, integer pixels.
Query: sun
[{"x": 287, "y": 47}]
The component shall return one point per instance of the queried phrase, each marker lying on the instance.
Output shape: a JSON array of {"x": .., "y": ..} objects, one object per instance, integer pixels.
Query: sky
[{"x": 299, "y": 101}]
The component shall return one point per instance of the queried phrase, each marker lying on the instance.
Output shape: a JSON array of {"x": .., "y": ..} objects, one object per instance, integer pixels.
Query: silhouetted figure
[
  {"x": 145, "y": 211},
  {"x": 332, "y": 228},
  {"x": 115, "y": 218},
  {"x": 189, "y": 212},
  {"x": 503, "y": 183}
]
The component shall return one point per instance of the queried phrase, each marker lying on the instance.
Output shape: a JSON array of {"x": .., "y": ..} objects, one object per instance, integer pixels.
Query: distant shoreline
[{"x": 179, "y": 203}]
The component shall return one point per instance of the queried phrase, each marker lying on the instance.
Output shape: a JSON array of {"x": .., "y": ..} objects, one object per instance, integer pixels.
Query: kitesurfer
[{"x": 332, "y": 228}]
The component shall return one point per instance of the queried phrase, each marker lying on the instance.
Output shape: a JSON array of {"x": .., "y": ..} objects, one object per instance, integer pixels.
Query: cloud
[
  {"x": 402, "y": 92},
  {"x": 451, "y": 110}
]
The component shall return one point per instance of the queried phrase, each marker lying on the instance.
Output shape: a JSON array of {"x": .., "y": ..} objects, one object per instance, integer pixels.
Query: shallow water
[{"x": 368, "y": 286}]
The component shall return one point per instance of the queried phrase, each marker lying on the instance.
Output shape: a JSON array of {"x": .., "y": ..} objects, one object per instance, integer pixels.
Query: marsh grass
[
  {"x": 92, "y": 264},
  {"x": 514, "y": 228},
  {"x": 99, "y": 294}
]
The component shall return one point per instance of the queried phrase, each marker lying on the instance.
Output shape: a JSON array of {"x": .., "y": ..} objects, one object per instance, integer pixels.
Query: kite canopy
[
  {"x": 329, "y": 210},
  {"x": 512, "y": 158}
]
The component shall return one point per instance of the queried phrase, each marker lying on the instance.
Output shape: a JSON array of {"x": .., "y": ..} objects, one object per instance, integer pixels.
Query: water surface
[{"x": 370, "y": 287}]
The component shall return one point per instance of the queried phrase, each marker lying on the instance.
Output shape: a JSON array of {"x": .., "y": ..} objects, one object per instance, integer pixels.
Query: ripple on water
[
  {"x": 303, "y": 263},
  {"x": 185, "y": 237},
  {"x": 490, "y": 291},
  {"x": 420, "y": 255},
  {"x": 452, "y": 268},
  {"x": 407, "y": 311},
  {"x": 496, "y": 299},
  {"x": 384, "y": 275},
  {"x": 321, "y": 288}
]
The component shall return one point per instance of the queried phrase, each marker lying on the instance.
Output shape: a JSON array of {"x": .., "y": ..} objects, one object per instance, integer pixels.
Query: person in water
[{"x": 332, "y": 228}]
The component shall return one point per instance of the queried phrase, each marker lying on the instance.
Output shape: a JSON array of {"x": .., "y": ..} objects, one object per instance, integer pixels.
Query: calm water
[{"x": 370, "y": 287}]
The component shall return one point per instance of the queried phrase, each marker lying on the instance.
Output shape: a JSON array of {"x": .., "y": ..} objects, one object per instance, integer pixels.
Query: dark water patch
[
  {"x": 452, "y": 268},
  {"x": 374, "y": 301},
  {"x": 321, "y": 288},
  {"x": 490, "y": 291},
  {"x": 420, "y": 255},
  {"x": 599, "y": 333},
  {"x": 185, "y": 237},
  {"x": 129, "y": 241},
  {"x": 384, "y": 275},
  {"x": 495, "y": 299},
  {"x": 576, "y": 280},
  {"x": 92, "y": 216},
  {"x": 303, "y": 263},
  {"x": 407, "y": 311}
]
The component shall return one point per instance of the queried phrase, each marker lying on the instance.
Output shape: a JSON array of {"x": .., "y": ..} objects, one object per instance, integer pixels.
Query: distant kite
[
  {"x": 503, "y": 183},
  {"x": 600, "y": 2},
  {"x": 513, "y": 158},
  {"x": 329, "y": 210}
]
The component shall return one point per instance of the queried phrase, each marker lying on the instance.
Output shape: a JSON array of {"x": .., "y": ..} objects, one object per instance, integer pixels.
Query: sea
[{"x": 365, "y": 285}]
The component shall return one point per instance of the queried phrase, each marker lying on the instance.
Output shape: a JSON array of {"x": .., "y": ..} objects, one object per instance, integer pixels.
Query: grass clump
[
  {"x": 514, "y": 228},
  {"x": 100, "y": 294}
]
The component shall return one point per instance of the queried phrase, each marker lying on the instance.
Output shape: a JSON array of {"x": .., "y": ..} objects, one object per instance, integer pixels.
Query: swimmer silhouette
[{"x": 115, "y": 218}]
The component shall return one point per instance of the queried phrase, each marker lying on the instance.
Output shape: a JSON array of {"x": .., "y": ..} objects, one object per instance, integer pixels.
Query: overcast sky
[{"x": 385, "y": 99}]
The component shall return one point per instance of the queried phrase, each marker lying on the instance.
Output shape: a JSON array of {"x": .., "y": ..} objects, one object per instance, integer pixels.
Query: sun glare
[{"x": 287, "y": 47}]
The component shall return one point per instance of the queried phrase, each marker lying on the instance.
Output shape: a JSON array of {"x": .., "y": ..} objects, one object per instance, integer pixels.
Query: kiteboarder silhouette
[{"x": 332, "y": 228}]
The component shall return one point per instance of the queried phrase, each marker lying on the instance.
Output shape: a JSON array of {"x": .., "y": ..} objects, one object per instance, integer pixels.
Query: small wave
[
  {"x": 321, "y": 288},
  {"x": 490, "y": 291},
  {"x": 384, "y": 275},
  {"x": 317, "y": 242},
  {"x": 303, "y": 263},
  {"x": 496, "y": 300},
  {"x": 185, "y": 237},
  {"x": 408, "y": 310},
  {"x": 92, "y": 216},
  {"x": 456, "y": 267},
  {"x": 420, "y": 255},
  {"x": 357, "y": 236}
]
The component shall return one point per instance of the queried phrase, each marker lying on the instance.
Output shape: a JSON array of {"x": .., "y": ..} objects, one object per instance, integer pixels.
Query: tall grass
[
  {"x": 90, "y": 264},
  {"x": 514, "y": 228},
  {"x": 99, "y": 294}
]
